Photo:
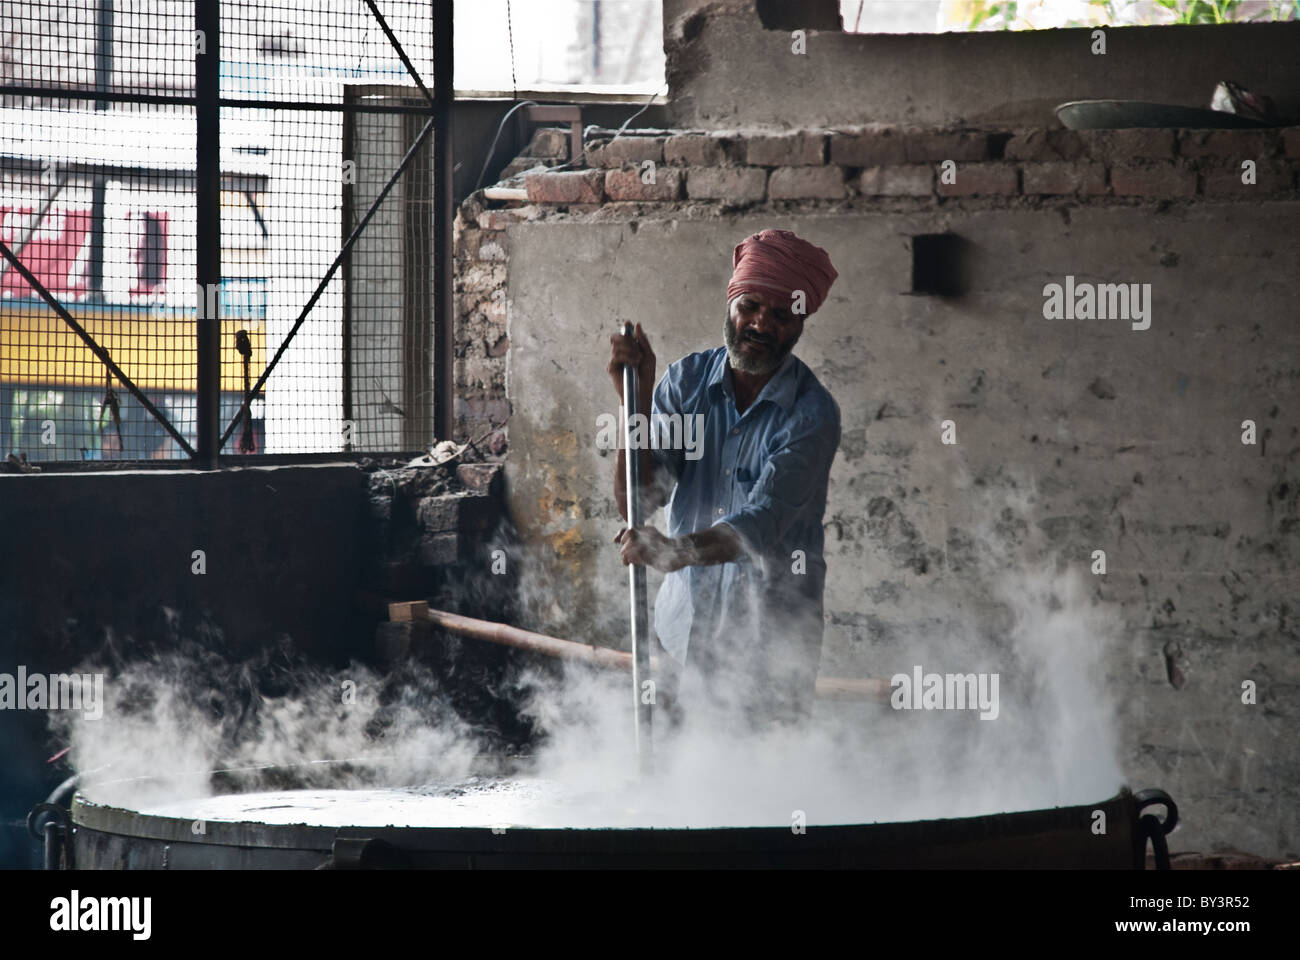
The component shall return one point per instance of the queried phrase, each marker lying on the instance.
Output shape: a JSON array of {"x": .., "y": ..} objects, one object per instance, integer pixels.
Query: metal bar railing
[
  {"x": 207, "y": 148},
  {"x": 180, "y": 100},
  {"x": 444, "y": 326}
]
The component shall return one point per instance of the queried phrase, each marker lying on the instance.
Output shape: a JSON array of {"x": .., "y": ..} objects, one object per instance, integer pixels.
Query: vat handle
[
  {"x": 48, "y": 822},
  {"x": 1151, "y": 827}
]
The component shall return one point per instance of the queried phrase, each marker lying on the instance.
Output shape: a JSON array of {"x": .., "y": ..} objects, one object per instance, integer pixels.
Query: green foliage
[
  {"x": 985, "y": 11},
  {"x": 992, "y": 14},
  {"x": 1199, "y": 11}
]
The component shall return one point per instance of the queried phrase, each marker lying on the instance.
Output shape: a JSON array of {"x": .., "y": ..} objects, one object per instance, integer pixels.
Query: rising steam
[{"x": 170, "y": 721}]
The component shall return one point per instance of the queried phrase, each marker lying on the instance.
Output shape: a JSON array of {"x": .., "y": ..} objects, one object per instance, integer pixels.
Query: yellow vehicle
[
  {"x": 59, "y": 403},
  {"x": 114, "y": 245}
]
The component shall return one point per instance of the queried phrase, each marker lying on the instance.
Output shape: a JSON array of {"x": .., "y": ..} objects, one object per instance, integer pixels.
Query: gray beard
[{"x": 754, "y": 366}]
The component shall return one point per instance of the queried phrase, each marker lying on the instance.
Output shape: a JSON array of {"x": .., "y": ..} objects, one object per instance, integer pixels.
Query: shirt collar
[{"x": 780, "y": 389}]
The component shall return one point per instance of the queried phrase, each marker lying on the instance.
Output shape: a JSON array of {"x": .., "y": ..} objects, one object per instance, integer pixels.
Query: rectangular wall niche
[{"x": 940, "y": 264}]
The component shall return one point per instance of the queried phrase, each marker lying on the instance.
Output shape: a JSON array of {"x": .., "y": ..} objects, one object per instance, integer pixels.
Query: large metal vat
[{"x": 108, "y": 836}]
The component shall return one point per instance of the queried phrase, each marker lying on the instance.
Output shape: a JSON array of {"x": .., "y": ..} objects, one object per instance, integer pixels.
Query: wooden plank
[{"x": 408, "y": 610}]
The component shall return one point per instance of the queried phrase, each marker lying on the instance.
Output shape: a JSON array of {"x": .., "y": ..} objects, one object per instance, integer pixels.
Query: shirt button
[
  {"x": 719, "y": 511},
  {"x": 727, "y": 472},
  {"x": 735, "y": 431}
]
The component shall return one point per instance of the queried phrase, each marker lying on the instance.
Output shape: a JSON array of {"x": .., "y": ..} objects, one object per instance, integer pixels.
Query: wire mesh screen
[
  {"x": 388, "y": 311},
  {"x": 324, "y": 190},
  {"x": 97, "y": 203}
]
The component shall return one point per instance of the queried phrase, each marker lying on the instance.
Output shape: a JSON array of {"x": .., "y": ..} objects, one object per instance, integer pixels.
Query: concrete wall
[
  {"x": 106, "y": 551},
  {"x": 717, "y": 49},
  {"x": 1131, "y": 439},
  {"x": 98, "y": 569},
  {"x": 300, "y": 563}
]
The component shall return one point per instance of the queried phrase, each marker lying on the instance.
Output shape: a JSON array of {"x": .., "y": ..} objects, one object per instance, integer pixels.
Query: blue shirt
[{"x": 764, "y": 473}]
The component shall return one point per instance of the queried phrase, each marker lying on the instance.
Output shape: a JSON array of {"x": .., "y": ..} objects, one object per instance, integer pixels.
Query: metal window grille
[{"x": 222, "y": 225}]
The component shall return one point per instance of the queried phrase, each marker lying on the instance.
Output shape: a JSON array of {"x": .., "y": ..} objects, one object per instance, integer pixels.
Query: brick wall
[
  {"x": 423, "y": 523},
  {"x": 667, "y": 173},
  {"x": 738, "y": 169}
]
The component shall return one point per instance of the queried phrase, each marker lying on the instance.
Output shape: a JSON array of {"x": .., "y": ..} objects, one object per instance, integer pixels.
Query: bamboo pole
[{"x": 828, "y": 688}]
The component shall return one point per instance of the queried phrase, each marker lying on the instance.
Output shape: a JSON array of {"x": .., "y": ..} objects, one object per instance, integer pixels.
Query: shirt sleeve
[
  {"x": 667, "y": 400},
  {"x": 792, "y": 481}
]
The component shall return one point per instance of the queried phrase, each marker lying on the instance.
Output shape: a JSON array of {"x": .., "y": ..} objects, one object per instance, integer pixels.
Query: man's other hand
[
  {"x": 648, "y": 546},
  {"x": 636, "y": 351}
]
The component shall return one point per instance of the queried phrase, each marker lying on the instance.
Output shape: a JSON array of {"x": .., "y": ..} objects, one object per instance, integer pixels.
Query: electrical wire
[
  {"x": 510, "y": 32},
  {"x": 570, "y": 162},
  {"x": 620, "y": 130},
  {"x": 500, "y": 126},
  {"x": 514, "y": 88}
]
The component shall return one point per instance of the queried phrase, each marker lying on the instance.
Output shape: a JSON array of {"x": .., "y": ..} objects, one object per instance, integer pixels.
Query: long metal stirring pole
[{"x": 636, "y": 575}]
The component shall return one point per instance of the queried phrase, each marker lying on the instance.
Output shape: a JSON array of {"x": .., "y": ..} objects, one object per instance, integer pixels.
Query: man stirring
[{"x": 740, "y": 609}]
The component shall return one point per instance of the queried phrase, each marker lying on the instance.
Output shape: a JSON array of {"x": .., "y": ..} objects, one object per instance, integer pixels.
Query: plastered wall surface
[
  {"x": 1098, "y": 436},
  {"x": 716, "y": 50}
]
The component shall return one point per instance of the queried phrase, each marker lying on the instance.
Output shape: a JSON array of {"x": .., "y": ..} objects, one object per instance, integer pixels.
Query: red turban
[{"x": 779, "y": 262}]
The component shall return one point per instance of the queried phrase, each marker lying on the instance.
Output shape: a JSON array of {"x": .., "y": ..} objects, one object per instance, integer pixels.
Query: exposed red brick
[
  {"x": 1165, "y": 179},
  {"x": 627, "y": 185},
  {"x": 868, "y": 148},
  {"x": 1044, "y": 145},
  {"x": 694, "y": 150},
  {"x": 550, "y": 142},
  {"x": 803, "y": 148},
  {"x": 733, "y": 184},
  {"x": 806, "y": 183},
  {"x": 481, "y": 478},
  {"x": 495, "y": 220},
  {"x": 569, "y": 186},
  {"x": 1270, "y": 177},
  {"x": 1123, "y": 145},
  {"x": 980, "y": 178},
  {"x": 1228, "y": 144},
  {"x": 927, "y": 147},
  {"x": 1062, "y": 178},
  {"x": 500, "y": 219},
  {"x": 621, "y": 150},
  {"x": 904, "y": 181}
]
